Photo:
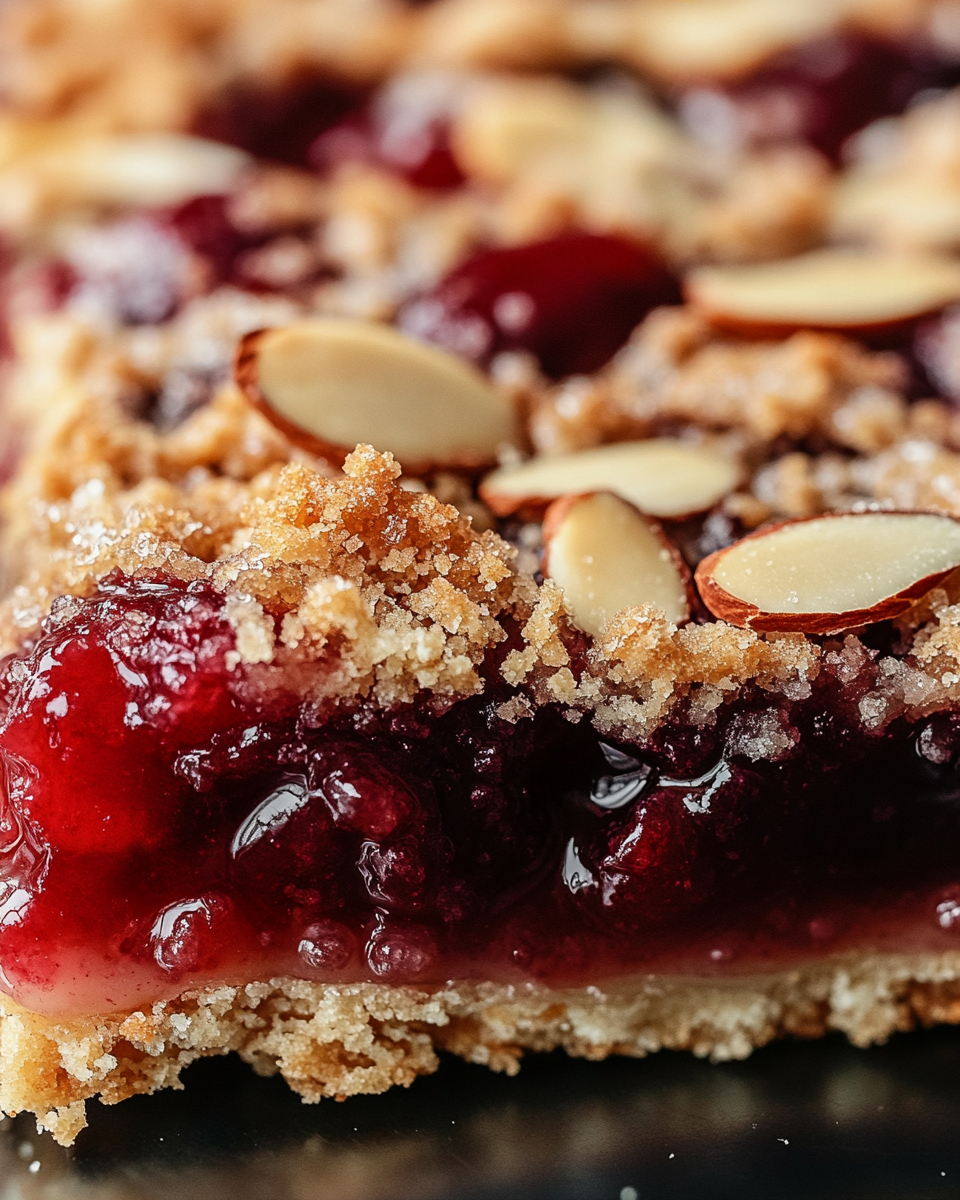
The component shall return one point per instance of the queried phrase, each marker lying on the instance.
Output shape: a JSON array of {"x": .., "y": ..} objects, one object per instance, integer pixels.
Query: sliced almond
[
  {"x": 511, "y": 123},
  {"x": 148, "y": 168},
  {"x": 826, "y": 574},
  {"x": 661, "y": 476},
  {"x": 828, "y": 289},
  {"x": 330, "y": 383},
  {"x": 607, "y": 556},
  {"x": 719, "y": 39}
]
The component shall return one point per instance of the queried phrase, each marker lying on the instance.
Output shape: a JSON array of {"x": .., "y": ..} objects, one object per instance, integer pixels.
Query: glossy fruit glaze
[
  {"x": 168, "y": 820},
  {"x": 571, "y": 301},
  {"x": 821, "y": 92}
]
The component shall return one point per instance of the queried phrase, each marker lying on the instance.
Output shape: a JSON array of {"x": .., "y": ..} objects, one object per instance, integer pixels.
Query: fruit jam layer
[{"x": 168, "y": 820}]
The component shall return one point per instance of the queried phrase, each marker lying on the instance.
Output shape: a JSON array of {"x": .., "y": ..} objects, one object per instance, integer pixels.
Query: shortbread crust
[{"x": 340, "y": 1041}]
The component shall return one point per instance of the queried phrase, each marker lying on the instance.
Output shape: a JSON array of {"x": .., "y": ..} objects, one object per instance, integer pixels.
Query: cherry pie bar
[{"x": 481, "y": 533}]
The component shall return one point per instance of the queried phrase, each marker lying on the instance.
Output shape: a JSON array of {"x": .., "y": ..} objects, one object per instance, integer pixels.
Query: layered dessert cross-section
[{"x": 481, "y": 546}]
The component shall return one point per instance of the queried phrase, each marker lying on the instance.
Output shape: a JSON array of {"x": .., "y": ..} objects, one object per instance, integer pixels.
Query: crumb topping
[
  {"x": 390, "y": 586},
  {"x": 900, "y": 189}
]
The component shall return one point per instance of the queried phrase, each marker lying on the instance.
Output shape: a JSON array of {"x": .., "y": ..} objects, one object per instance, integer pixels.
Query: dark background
[{"x": 819, "y": 1119}]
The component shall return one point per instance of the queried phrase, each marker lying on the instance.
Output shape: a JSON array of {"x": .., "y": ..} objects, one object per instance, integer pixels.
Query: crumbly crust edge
[{"x": 342, "y": 1040}]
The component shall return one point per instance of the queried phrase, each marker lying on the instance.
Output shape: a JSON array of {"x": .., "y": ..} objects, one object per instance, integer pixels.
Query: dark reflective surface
[{"x": 817, "y": 1120}]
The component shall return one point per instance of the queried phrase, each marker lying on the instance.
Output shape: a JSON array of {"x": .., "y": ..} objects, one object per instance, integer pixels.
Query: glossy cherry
[
  {"x": 420, "y": 150},
  {"x": 571, "y": 301},
  {"x": 166, "y": 821}
]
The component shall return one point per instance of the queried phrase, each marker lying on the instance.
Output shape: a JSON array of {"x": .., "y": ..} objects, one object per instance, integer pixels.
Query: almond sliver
[
  {"x": 838, "y": 289},
  {"x": 830, "y": 573},
  {"x": 331, "y": 383},
  {"x": 660, "y": 476},
  {"x": 607, "y": 556}
]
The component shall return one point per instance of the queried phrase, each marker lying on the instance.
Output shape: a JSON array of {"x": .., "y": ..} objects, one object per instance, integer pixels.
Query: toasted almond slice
[
  {"x": 607, "y": 556},
  {"x": 828, "y": 289},
  {"x": 826, "y": 574},
  {"x": 662, "y": 477},
  {"x": 150, "y": 168},
  {"x": 330, "y": 383},
  {"x": 707, "y": 39}
]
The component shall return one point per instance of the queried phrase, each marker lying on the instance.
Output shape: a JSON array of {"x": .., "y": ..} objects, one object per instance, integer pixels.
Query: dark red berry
[
  {"x": 187, "y": 936},
  {"x": 286, "y": 855},
  {"x": 399, "y": 950},
  {"x": 281, "y": 123},
  {"x": 820, "y": 93},
  {"x": 105, "y": 700},
  {"x": 420, "y": 151},
  {"x": 325, "y": 948},
  {"x": 364, "y": 797},
  {"x": 204, "y": 226},
  {"x": 164, "y": 821},
  {"x": 571, "y": 301}
]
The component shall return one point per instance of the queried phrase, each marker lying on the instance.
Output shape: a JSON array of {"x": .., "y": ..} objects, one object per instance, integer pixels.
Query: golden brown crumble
[
  {"x": 384, "y": 583},
  {"x": 641, "y": 666},
  {"x": 74, "y": 60},
  {"x": 150, "y": 66},
  {"x": 607, "y": 158},
  {"x": 677, "y": 368},
  {"x": 542, "y": 155},
  {"x": 387, "y": 590},
  {"x": 901, "y": 188}
]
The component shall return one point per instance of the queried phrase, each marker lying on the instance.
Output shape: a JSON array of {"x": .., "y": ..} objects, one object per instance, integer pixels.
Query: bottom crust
[{"x": 339, "y": 1041}]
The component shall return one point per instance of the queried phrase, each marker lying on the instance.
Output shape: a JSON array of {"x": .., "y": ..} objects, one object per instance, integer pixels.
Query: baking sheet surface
[{"x": 819, "y": 1119}]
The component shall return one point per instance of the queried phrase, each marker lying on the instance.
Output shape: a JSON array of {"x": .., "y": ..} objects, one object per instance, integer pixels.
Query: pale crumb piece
[
  {"x": 677, "y": 43},
  {"x": 338, "y": 1041},
  {"x": 253, "y": 628},
  {"x": 902, "y": 187},
  {"x": 914, "y": 474},
  {"x": 608, "y": 158},
  {"x": 274, "y": 197},
  {"x": 642, "y": 665},
  {"x": 515, "y": 709},
  {"x": 677, "y": 368}
]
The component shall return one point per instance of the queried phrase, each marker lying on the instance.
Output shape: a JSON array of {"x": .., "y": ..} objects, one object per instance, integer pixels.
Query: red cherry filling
[
  {"x": 203, "y": 225},
  {"x": 163, "y": 823},
  {"x": 571, "y": 301},
  {"x": 820, "y": 93}
]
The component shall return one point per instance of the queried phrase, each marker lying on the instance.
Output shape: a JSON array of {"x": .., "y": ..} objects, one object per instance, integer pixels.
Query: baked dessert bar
[{"x": 481, "y": 535}]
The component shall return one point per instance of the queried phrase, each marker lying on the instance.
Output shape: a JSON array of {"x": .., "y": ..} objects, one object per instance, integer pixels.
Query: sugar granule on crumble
[
  {"x": 642, "y": 666},
  {"x": 388, "y": 590}
]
